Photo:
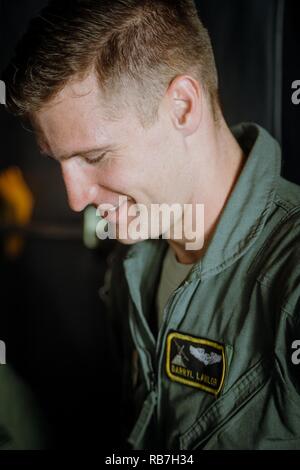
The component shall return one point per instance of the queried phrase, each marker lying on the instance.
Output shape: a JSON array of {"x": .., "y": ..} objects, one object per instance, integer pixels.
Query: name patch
[{"x": 197, "y": 362}]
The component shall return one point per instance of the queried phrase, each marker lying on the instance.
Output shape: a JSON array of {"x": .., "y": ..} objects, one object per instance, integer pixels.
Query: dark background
[{"x": 51, "y": 317}]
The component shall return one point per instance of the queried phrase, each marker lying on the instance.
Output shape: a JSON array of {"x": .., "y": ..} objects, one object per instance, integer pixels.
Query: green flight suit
[{"x": 220, "y": 374}]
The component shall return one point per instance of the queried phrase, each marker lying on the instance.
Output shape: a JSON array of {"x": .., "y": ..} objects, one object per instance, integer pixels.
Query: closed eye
[{"x": 94, "y": 161}]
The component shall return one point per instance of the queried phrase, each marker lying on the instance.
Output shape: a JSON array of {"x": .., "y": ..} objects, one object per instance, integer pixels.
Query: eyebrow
[{"x": 85, "y": 153}]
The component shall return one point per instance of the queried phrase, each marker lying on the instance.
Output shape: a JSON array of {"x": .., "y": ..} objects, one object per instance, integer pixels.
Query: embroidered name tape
[{"x": 196, "y": 362}]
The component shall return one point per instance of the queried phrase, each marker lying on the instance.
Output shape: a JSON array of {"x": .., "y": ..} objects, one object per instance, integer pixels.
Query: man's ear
[{"x": 185, "y": 104}]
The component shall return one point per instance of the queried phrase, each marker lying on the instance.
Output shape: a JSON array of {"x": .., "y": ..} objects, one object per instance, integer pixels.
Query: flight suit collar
[{"x": 250, "y": 202}]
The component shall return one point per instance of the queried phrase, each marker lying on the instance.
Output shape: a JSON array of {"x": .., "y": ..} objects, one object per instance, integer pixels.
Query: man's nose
[{"x": 78, "y": 185}]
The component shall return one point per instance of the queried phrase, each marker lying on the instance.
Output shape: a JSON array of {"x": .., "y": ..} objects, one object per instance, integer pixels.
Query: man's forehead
[
  {"x": 85, "y": 150},
  {"x": 79, "y": 122},
  {"x": 67, "y": 136},
  {"x": 79, "y": 98},
  {"x": 69, "y": 109}
]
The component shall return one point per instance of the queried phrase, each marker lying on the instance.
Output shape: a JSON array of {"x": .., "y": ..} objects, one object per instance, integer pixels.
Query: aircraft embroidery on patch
[{"x": 202, "y": 356}]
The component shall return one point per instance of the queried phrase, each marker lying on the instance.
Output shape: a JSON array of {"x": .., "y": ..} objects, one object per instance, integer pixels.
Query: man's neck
[{"x": 229, "y": 161}]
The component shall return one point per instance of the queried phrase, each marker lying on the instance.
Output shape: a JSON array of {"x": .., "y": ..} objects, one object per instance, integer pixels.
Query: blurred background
[{"x": 51, "y": 316}]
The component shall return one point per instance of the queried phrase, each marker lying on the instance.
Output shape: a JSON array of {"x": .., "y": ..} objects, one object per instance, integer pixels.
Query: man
[{"x": 124, "y": 94}]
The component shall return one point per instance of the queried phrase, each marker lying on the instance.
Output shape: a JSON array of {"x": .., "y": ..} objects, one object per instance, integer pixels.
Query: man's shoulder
[
  {"x": 284, "y": 245},
  {"x": 277, "y": 261},
  {"x": 283, "y": 226},
  {"x": 287, "y": 195},
  {"x": 285, "y": 234}
]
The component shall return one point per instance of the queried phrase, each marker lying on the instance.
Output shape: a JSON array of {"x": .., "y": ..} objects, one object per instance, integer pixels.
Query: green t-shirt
[{"x": 172, "y": 274}]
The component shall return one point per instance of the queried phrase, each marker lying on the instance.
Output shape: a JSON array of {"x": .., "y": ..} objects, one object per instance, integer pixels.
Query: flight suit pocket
[{"x": 222, "y": 411}]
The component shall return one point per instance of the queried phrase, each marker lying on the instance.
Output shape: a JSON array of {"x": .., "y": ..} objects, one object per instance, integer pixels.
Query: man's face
[{"x": 145, "y": 165}]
